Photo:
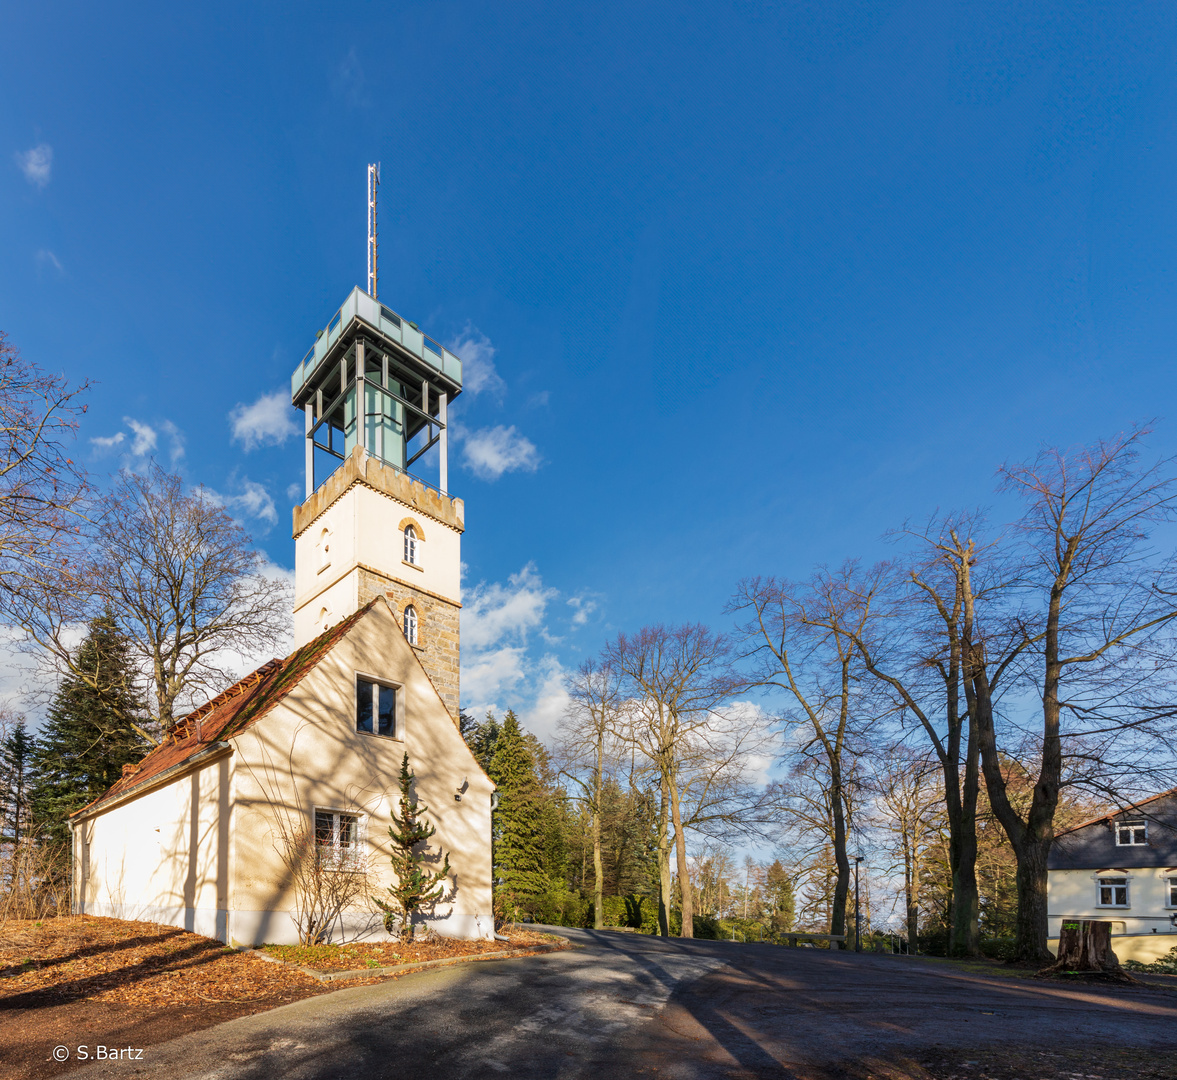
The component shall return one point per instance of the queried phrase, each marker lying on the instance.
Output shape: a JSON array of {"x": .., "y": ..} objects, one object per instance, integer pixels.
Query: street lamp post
[{"x": 857, "y": 911}]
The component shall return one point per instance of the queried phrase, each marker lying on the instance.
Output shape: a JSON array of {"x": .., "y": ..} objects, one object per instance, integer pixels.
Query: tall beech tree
[
  {"x": 675, "y": 678},
  {"x": 588, "y": 750},
  {"x": 914, "y": 648},
  {"x": 1093, "y": 635},
  {"x": 801, "y": 638}
]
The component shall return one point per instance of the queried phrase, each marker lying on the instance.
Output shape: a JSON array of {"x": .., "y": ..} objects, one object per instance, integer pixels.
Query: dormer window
[
  {"x": 411, "y": 625},
  {"x": 410, "y": 545},
  {"x": 1133, "y": 833}
]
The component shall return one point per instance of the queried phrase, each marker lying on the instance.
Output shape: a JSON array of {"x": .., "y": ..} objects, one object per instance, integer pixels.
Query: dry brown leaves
[
  {"x": 131, "y": 963},
  {"x": 356, "y": 957}
]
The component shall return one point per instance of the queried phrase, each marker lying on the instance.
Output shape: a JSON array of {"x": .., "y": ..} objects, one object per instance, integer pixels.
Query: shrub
[{"x": 1165, "y": 965}]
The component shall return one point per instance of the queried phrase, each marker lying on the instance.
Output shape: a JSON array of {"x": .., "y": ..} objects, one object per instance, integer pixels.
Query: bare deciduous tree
[
  {"x": 676, "y": 680},
  {"x": 802, "y": 639},
  {"x": 1093, "y": 638},
  {"x": 587, "y": 749},
  {"x": 42, "y": 490},
  {"x": 182, "y": 581}
]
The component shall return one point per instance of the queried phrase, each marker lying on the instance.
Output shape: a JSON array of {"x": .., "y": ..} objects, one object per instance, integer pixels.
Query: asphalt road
[{"x": 629, "y": 1005}]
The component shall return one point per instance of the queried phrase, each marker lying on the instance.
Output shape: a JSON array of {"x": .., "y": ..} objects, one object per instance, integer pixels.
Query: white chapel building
[{"x": 191, "y": 836}]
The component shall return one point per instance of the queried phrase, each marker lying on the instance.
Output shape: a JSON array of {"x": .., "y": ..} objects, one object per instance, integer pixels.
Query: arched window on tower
[
  {"x": 411, "y": 625},
  {"x": 410, "y": 545}
]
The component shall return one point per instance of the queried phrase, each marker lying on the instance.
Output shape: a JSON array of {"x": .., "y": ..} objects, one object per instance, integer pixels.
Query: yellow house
[{"x": 193, "y": 836}]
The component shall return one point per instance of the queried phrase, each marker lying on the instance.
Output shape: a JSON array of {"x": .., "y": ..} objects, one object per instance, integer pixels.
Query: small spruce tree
[{"x": 416, "y": 887}]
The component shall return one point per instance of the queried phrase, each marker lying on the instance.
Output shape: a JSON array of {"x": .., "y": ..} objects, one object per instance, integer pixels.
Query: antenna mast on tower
[{"x": 373, "y": 184}]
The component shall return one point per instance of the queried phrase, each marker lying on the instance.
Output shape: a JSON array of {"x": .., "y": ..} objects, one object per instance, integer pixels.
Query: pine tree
[
  {"x": 15, "y": 764},
  {"x": 415, "y": 886},
  {"x": 519, "y": 822},
  {"x": 86, "y": 739}
]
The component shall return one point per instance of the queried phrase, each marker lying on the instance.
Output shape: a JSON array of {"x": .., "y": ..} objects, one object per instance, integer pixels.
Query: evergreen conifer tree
[
  {"x": 781, "y": 903},
  {"x": 86, "y": 739},
  {"x": 481, "y": 738},
  {"x": 520, "y": 835},
  {"x": 16, "y": 752},
  {"x": 415, "y": 886}
]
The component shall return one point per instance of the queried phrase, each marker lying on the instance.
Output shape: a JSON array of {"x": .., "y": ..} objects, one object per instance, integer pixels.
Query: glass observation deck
[{"x": 373, "y": 379}]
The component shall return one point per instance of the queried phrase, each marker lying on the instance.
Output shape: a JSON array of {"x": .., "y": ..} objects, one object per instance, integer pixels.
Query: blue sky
[{"x": 743, "y": 285}]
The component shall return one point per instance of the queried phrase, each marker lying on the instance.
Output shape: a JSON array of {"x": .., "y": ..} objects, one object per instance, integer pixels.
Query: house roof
[
  {"x": 229, "y": 713},
  {"x": 1116, "y": 813},
  {"x": 1093, "y": 844}
]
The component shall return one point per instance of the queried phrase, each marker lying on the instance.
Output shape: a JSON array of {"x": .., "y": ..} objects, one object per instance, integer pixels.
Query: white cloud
[
  {"x": 46, "y": 258},
  {"x": 269, "y": 421},
  {"x": 296, "y": 491},
  {"x": 495, "y": 613},
  {"x": 251, "y": 500},
  {"x": 146, "y": 438},
  {"x": 478, "y": 369},
  {"x": 490, "y": 452},
  {"x": 108, "y": 442},
  {"x": 499, "y": 670},
  {"x": 582, "y": 608},
  {"x": 175, "y": 441},
  {"x": 37, "y": 164}
]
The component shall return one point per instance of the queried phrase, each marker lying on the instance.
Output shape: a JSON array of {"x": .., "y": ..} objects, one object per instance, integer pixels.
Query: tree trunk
[
  {"x": 966, "y": 900},
  {"x": 1084, "y": 946},
  {"x": 842, "y": 886},
  {"x": 664, "y": 863},
  {"x": 598, "y": 869},
  {"x": 598, "y": 872},
  {"x": 1031, "y": 926},
  {"x": 684, "y": 879}
]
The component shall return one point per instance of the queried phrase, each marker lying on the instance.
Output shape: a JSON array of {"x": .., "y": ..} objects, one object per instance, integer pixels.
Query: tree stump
[{"x": 1085, "y": 949}]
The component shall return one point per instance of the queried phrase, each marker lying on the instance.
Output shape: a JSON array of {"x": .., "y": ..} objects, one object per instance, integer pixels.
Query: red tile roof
[{"x": 229, "y": 713}]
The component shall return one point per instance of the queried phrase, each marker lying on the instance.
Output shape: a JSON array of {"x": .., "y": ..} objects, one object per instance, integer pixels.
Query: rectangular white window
[
  {"x": 1131, "y": 833},
  {"x": 375, "y": 707},
  {"x": 1171, "y": 891},
  {"x": 337, "y": 838},
  {"x": 1113, "y": 892}
]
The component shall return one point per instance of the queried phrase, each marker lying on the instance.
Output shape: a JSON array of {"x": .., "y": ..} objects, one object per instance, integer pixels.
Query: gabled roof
[
  {"x": 1116, "y": 813},
  {"x": 229, "y": 713}
]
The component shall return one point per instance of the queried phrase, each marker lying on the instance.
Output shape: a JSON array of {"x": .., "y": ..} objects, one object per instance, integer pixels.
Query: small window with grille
[
  {"x": 337, "y": 838},
  {"x": 411, "y": 543},
  {"x": 411, "y": 625}
]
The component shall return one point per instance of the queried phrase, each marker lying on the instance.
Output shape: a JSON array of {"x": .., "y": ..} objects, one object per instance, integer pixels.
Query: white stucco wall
[
  {"x": 163, "y": 857},
  {"x": 1140, "y": 931}
]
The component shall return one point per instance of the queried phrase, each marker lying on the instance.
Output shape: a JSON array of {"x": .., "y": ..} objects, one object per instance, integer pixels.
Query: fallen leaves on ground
[{"x": 360, "y": 955}]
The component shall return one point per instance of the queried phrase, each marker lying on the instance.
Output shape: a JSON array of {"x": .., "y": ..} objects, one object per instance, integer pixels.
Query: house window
[
  {"x": 1131, "y": 833},
  {"x": 410, "y": 545},
  {"x": 1171, "y": 892},
  {"x": 337, "y": 838},
  {"x": 324, "y": 550},
  {"x": 375, "y": 707},
  {"x": 411, "y": 625},
  {"x": 1113, "y": 892}
]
